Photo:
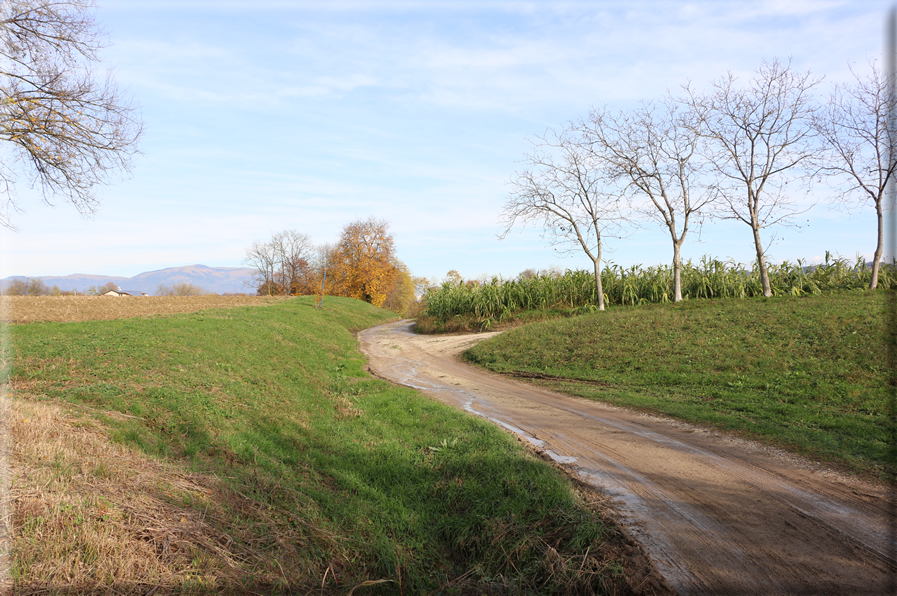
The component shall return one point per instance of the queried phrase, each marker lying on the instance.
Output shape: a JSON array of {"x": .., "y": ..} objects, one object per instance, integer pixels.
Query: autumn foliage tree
[
  {"x": 401, "y": 296},
  {"x": 363, "y": 263},
  {"x": 100, "y": 290}
]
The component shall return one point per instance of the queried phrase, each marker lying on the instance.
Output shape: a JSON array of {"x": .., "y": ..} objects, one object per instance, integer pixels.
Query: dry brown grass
[
  {"x": 27, "y": 309},
  {"x": 90, "y": 516}
]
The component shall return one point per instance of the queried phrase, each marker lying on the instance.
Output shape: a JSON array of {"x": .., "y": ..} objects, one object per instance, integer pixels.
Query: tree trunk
[
  {"x": 677, "y": 272},
  {"x": 598, "y": 286},
  {"x": 876, "y": 258},
  {"x": 761, "y": 262}
]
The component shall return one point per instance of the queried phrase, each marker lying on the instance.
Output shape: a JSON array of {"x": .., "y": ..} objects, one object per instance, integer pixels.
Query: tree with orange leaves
[{"x": 363, "y": 264}]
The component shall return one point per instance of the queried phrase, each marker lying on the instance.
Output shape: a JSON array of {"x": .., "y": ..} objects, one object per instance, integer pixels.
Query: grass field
[
  {"x": 807, "y": 373},
  {"x": 246, "y": 450}
]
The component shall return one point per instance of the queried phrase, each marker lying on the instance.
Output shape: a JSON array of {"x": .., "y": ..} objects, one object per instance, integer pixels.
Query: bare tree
[
  {"x": 760, "y": 141},
  {"x": 292, "y": 251},
  {"x": 179, "y": 289},
  {"x": 31, "y": 287},
  {"x": 262, "y": 256},
  {"x": 325, "y": 256},
  {"x": 854, "y": 127},
  {"x": 68, "y": 128},
  {"x": 655, "y": 151},
  {"x": 569, "y": 194},
  {"x": 282, "y": 264}
]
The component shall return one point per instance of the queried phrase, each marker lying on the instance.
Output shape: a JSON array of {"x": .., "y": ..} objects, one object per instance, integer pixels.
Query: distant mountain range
[{"x": 216, "y": 280}]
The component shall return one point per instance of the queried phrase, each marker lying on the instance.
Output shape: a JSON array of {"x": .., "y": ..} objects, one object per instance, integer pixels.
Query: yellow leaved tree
[
  {"x": 401, "y": 297},
  {"x": 363, "y": 264}
]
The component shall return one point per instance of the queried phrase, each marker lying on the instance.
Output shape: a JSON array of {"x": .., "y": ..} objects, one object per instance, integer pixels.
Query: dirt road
[{"x": 717, "y": 515}]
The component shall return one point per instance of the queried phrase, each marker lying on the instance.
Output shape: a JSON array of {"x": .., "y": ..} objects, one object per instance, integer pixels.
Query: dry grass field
[
  {"x": 82, "y": 489},
  {"x": 97, "y": 517},
  {"x": 28, "y": 309}
]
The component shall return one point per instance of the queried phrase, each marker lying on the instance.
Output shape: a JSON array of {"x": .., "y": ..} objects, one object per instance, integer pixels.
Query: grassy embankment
[
  {"x": 247, "y": 450},
  {"x": 806, "y": 373}
]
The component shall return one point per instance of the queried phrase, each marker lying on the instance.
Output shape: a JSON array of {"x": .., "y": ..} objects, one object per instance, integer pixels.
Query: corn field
[{"x": 711, "y": 278}]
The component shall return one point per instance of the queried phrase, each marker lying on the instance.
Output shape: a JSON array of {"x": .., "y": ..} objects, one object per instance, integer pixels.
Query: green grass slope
[
  {"x": 803, "y": 372},
  {"x": 348, "y": 477}
]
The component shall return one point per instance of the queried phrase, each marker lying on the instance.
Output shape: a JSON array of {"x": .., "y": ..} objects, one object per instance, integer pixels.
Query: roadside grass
[
  {"x": 807, "y": 373},
  {"x": 428, "y": 324},
  {"x": 247, "y": 450}
]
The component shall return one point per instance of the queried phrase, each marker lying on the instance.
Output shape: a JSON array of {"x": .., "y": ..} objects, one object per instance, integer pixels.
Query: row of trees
[
  {"x": 34, "y": 287},
  {"x": 747, "y": 152},
  {"x": 362, "y": 265},
  {"x": 37, "y": 287},
  {"x": 179, "y": 289},
  {"x": 284, "y": 264}
]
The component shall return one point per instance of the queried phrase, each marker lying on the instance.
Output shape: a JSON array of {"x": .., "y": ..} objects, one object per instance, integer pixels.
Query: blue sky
[{"x": 267, "y": 115}]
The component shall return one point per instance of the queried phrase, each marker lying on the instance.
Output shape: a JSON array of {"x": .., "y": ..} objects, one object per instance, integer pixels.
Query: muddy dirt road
[{"x": 717, "y": 515}]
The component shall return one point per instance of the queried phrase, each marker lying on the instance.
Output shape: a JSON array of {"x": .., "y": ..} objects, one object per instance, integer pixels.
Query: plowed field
[{"x": 28, "y": 309}]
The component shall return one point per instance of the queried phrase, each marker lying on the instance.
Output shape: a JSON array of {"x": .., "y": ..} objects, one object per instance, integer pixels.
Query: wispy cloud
[{"x": 268, "y": 114}]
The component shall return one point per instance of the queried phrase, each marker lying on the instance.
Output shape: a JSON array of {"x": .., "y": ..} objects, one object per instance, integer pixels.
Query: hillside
[
  {"x": 246, "y": 450},
  {"x": 806, "y": 373}
]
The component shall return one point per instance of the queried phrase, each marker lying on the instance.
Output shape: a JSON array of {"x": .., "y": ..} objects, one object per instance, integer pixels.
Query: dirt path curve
[{"x": 717, "y": 515}]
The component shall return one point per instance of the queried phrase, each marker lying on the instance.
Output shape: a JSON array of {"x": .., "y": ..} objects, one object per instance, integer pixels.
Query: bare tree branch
[
  {"x": 655, "y": 151},
  {"x": 283, "y": 265},
  {"x": 568, "y": 191},
  {"x": 262, "y": 256},
  {"x": 760, "y": 140},
  {"x": 853, "y": 125},
  {"x": 66, "y": 128}
]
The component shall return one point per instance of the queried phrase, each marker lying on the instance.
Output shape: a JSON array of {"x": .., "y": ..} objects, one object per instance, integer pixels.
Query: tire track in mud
[{"x": 717, "y": 515}]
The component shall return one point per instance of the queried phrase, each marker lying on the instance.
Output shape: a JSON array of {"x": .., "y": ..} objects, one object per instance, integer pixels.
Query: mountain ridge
[{"x": 216, "y": 280}]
